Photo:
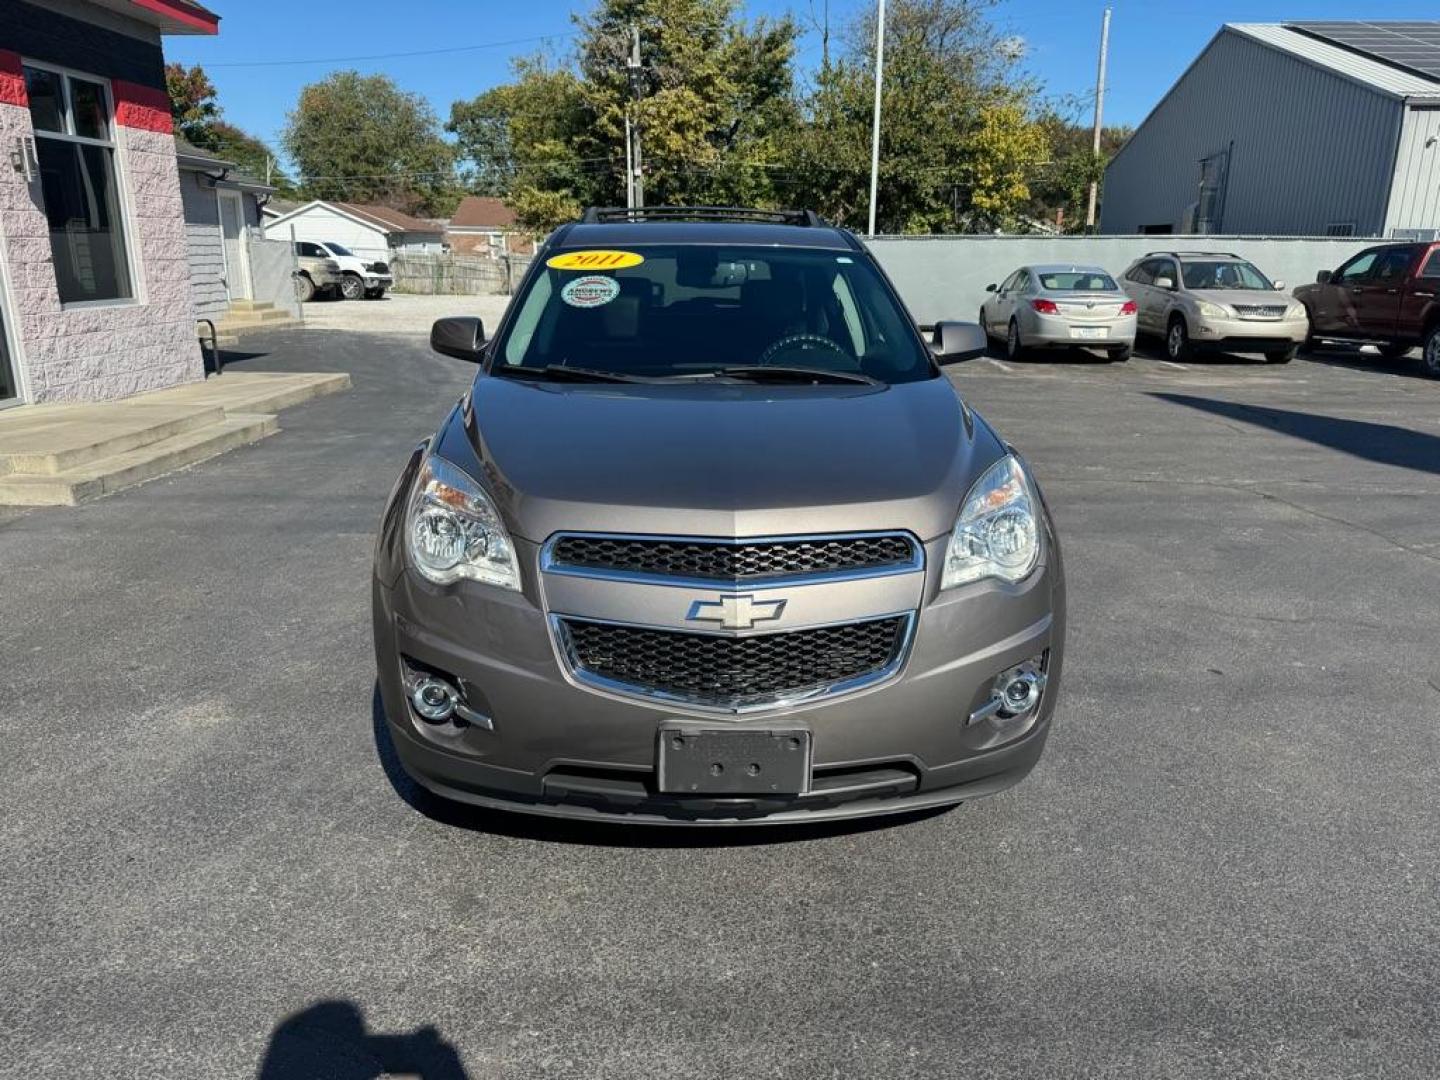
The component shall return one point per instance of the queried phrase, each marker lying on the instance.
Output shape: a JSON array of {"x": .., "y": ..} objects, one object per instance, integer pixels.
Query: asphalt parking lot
[{"x": 1226, "y": 865}]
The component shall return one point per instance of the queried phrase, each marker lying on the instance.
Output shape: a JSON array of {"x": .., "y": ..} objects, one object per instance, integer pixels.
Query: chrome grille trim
[
  {"x": 1260, "y": 311},
  {"x": 551, "y": 564},
  {"x": 576, "y": 670}
]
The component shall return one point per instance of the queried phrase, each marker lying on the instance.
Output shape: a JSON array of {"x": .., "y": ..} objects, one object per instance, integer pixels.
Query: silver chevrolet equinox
[{"x": 711, "y": 539}]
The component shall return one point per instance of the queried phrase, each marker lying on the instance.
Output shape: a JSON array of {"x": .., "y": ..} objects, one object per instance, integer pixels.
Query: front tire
[
  {"x": 304, "y": 288},
  {"x": 1281, "y": 356},
  {"x": 374, "y": 294},
  {"x": 1430, "y": 352},
  {"x": 351, "y": 287},
  {"x": 1177, "y": 340}
]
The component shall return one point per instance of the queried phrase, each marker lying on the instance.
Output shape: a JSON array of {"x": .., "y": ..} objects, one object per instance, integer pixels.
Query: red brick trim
[
  {"x": 12, "y": 80},
  {"x": 197, "y": 19},
  {"x": 141, "y": 107}
]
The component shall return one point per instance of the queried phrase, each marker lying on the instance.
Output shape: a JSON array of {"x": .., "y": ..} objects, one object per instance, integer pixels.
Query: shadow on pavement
[
  {"x": 330, "y": 1039},
  {"x": 1382, "y": 443},
  {"x": 604, "y": 833}
]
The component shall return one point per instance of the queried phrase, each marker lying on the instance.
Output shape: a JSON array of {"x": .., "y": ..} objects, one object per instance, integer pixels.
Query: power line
[{"x": 393, "y": 55}]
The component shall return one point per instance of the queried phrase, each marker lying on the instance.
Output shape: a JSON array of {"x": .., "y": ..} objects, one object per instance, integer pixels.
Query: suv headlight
[
  {"x": 1213, "y": 311},
  {"x": 996, "y": 534},
  {"x": 453, "y": 531}
]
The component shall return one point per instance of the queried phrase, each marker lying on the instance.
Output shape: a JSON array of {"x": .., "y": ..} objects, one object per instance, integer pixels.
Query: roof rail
[
  {"x": 598, "y": 214},
  {"x": 1186, "y": 254}
]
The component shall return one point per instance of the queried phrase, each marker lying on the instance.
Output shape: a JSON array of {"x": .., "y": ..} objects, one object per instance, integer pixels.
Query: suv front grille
[
  {"x": 721, "y": 671},
  {"x": 1259, "y": 311},
  {"x": 734, "y": 561}
]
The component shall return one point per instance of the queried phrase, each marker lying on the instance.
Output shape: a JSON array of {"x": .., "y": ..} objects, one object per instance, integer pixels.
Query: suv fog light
[
  {"x": 1015, "y": 694},
  {"x": 439, "y": 701}
]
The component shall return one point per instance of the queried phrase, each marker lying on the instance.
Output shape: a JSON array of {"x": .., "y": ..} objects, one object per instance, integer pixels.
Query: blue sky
[{"x": 1151, "y": 43}]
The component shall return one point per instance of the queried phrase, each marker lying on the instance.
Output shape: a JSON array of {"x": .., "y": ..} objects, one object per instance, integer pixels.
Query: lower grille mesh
[{"x": 715, "y": 669}]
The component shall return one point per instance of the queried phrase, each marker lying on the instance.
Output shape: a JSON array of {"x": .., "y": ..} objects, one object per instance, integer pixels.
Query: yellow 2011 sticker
[{"x": 594, "y": 260}]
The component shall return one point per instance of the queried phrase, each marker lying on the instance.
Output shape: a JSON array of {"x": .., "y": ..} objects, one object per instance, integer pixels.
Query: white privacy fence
[
  {"x": 271, "y": 264},
  {"x": 944, "y": 277},
  {"x": 457, "y": 275}
]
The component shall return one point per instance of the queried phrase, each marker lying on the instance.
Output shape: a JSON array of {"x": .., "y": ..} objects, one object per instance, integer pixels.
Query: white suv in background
[
  {"x": 1196, "y": 300},
  {"x": 358, "y": 277}
]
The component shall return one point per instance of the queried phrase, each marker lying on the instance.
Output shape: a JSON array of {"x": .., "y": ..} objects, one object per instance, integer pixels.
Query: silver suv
[
  {"x": 1213, "y": 300},
  {"x": 712, "y": 539}
]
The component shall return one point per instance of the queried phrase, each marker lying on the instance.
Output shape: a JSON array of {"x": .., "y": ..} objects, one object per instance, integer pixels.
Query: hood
[{"x": 721, "y": 460}]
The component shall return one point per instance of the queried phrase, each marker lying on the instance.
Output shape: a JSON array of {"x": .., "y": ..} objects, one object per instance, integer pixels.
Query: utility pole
[
  {"x": 636, "y": 186},
  {"x": 875, "y": 127},
  {"x": 1099, "y": 114}
]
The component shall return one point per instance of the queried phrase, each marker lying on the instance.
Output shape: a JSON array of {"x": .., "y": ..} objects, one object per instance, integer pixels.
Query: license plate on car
[
  {"x": 1087, "y": 331},
  {"x": 739, "y": 761}
]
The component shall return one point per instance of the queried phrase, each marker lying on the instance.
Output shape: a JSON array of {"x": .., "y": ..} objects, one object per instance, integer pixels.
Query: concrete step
[
  {"x": 251, "y": 305},
  {"x": 74, "y": 438},
  {"x": 242, "y": 317},
  {"x": 105, "y": 475},
  {"x": 235, "y": 329}
]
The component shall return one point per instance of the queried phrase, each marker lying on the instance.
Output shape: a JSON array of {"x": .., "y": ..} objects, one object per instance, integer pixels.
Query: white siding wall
[
  {"x": 320, "y": 224},
  {"x": 203, "y": 246},
  {"x": 1415, "y": 197},
  {"x": 1310, "y": 148}
]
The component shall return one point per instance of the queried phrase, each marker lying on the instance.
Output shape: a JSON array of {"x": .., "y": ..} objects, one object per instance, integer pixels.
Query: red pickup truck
[{"x": 1387, "y": 296}]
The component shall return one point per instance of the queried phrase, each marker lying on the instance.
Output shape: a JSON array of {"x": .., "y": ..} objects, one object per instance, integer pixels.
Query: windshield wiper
[
  {"x": 563, "y": 373},
  {"x": 778, "y": 374}
]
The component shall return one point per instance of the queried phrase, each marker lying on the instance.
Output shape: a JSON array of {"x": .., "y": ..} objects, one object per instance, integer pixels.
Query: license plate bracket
[{"x": 694, "y": 760}]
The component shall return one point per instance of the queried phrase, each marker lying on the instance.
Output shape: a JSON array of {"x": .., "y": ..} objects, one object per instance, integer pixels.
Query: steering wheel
[{"x": 803, "y": 343}]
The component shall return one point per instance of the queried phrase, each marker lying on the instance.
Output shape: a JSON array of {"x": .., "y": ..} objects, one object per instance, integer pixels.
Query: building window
[
  {"x": 1340, "y": 228},
  {"x": 74, "y": 141}
]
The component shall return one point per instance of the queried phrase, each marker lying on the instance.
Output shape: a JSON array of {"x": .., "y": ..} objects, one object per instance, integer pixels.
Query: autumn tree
[
  {"x": 958, "y": 141},
  {"x": 196, "y": 112},
  {"x": 360, "y": 138}
]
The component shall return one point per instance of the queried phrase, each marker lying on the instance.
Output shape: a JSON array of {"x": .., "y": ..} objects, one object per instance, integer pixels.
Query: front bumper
[
  {"x": 1249, "y": 335},
  {"x": 564, "y": 749},
  {"x": 378, "y": 281}
]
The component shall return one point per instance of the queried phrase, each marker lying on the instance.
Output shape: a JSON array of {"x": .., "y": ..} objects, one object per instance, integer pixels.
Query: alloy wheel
[
  {"x": 1175, "y": 340},
  {"x": 1430, "y": 357},
  {"x": 352, "y": 288}
]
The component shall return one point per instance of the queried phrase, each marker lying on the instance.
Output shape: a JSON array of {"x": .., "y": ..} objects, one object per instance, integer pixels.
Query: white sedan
[{"x": 1060, "y": 307}]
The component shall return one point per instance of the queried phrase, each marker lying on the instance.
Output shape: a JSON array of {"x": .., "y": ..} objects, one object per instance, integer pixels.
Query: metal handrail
[{"x": 214, "y": 345}]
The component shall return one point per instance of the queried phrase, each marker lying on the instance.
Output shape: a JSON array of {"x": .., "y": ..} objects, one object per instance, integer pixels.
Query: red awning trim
[
  {"x": 12, "y": 80},
  {"x": 142, "y": 107},
  {"x": 203, "y": 21}
]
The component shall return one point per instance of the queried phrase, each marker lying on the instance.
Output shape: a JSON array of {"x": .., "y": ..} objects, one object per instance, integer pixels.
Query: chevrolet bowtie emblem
[{"x": 736, "y": 612}]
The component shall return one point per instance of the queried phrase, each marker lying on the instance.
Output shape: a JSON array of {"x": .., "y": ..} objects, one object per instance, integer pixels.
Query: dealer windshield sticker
[
  {"x": 592, "y": 290},
  {"x": 594, "y": 260}
]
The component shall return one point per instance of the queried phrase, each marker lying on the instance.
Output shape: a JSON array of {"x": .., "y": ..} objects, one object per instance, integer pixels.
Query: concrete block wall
[
  {"x": 944, "y": 277},
  {"x": 101, "y": 352}
]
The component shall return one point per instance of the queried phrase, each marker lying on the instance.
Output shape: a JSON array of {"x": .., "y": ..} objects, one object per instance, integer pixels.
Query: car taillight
[
  {"x": 1045, "y": 307},
  {"x": 1128, "y": 308}
]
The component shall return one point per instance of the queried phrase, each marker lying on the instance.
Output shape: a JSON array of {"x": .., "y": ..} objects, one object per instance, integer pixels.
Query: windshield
[
  {"x": 336, "y": 249},
  {"x": 662, "y": 311},
  {"x": 1229, "y": 274},
  {"x": 1076, "y": 281}
]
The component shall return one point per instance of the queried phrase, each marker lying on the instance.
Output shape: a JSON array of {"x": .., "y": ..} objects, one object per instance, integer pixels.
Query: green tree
[
  {"x": 253, "y": 156},
  {"x": 360, "y": 138},
  {"x": 1061, "y": 193},
  {"x": 958, "y": 140}
]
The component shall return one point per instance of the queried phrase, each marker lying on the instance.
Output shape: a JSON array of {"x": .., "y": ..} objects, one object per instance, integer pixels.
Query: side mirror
[
  {"x": 955, "y": 341},
  {"x": 1279, "y": 285},
  {"x": 462, "y": 337},
  {"x": 1165, "y": 283},
  {"x": 1323, "y": 277},
  {"x": 991, "y": 287}
]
